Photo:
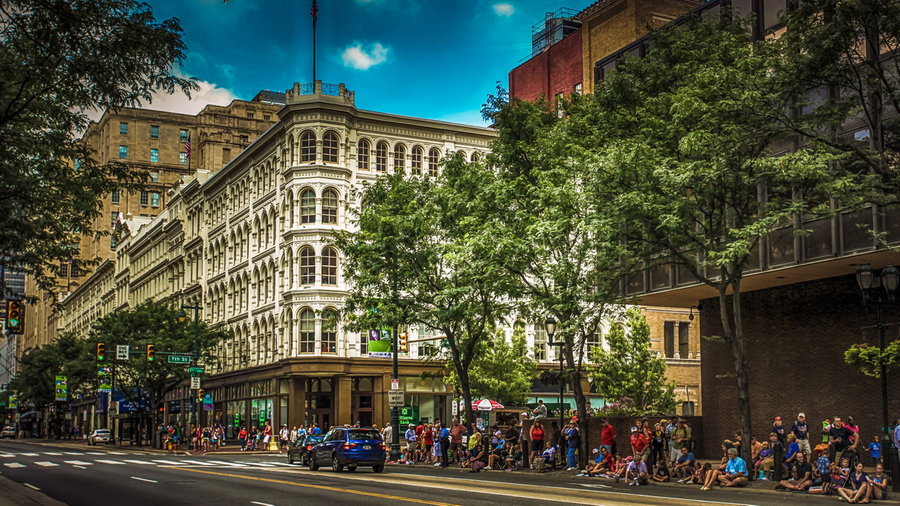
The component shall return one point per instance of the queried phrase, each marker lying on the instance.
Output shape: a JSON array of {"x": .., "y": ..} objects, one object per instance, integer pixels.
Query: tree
[
  {"x": 546, "y": 233},
  {"x": 630, "y": 369},
  {"x": 501, "y": 370},
  {"x": 684, "y": 141},
  {"x": 415, "y": 259},
  {"x": 34, "y": 382},
  {"x": 154, "y": 323},
  {"x": 59, "y": 60}
]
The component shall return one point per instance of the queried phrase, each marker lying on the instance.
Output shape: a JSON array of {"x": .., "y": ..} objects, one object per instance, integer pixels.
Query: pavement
[{"x": 40, "y": 472}]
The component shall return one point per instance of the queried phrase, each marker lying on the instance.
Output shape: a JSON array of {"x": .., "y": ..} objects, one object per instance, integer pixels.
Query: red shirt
[
  {"x": 242, "y": 434},
  {"x": 429, "y": 436},
  {"x": 608, "y": 435},
  {"x": 638, "y": 441}
]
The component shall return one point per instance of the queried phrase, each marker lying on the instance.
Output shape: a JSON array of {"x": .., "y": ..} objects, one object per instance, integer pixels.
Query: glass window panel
[
  {"x": 307, "y": 334},
  {"x": 308, "y": 147},
  {"x": 308, "y": 206},
  {"x": 362, "y": 154},
  {"x": 329, "y": 207},
  {"x": 330, "y": 147},
  {"x": 856, "y": 230}
]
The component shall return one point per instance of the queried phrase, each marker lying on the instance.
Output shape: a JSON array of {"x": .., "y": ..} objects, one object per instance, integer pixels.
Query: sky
[{"x": 436, "y": 59}]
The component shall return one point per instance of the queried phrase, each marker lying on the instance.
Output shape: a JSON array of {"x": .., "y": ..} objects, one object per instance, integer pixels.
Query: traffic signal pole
[{"x": 395, "y": 411}]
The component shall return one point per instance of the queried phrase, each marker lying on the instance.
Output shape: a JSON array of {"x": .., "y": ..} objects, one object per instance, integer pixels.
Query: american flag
[
  {"x": 314, "y": 12},
  {"x": 187, "y": 146}
]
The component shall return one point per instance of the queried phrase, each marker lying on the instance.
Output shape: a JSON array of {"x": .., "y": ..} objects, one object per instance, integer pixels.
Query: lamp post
[
  {"x": 882, "y": 297},
  {"x": 550, "y": 328},
  {"x": 195, "y": 351}
]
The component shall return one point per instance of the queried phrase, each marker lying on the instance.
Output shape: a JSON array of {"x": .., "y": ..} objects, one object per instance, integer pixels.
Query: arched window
[
  {"x": 307, "y": 147},
  {"x": 329, "y": 331},
  {"x": 362, "y": 154},
  {"x": 381, "y": 153},
  {"x": 399, "y": 157},
  {"x": 329, "y": 266},
  {"x": 307, "y": 331},
  {"x": 475, "y": 156},
  {"x": 307, "y": 266},
  {"x": 433, "y": 156},
  {"x": 329, "y": 206},
  {"x": 330, "y": 147},
  {"x": 308, "y": 206},
  {"x": 416, "y": 160}
]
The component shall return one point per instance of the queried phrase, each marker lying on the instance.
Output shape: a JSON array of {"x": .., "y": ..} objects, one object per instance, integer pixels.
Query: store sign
[
  {"x": 409, "y": 415},
  {"x": 62, "y": 388},
  {"x": 380, "y": 343}
]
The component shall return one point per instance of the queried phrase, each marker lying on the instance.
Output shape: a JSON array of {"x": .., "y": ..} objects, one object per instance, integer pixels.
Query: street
[{"x": 76, "y": 474}]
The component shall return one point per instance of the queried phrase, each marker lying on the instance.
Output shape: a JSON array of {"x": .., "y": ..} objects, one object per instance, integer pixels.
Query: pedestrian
[
  {"x": 537, "y": 441},
  {"x": 456, "y": 433},
  {"x": 658, "y": 445},
  {"x": 410, "y": 444},
  {"x": 572, "y": 440},
  {"x": 638, "y": 442},
  {"x": 607, "y": 436},
  {"x": 444, "y": 443},
  {"x": 636, "y": 471},
  {"x": 734, "y": 474},
  {"x": 681, "y": 438},
  {"x": 874, "y": 450},
  {"x": 839, "y": 438},
  {"x": 242, "y": 437},
  {"x": 800, "y": 429},
  {"x": 799, "y": 474},
  {"x": 856, "y": 488},
  {"x": 778, "y": 429}
]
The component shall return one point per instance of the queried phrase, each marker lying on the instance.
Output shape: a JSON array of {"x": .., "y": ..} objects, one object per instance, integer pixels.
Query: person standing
[
  {"x": 800, "y": 429},
  {"x": 681, "y": 438},
  {"x": 572, "y": 440},
  {"x": 607, "y": 436},
  {"x": 536, "y": 436},
  {"x": 456, "y": 435},
  {"x": 778, "y": 429},
  {"x": 444, "y": 440},
  {"x": 896, "y": 438}
]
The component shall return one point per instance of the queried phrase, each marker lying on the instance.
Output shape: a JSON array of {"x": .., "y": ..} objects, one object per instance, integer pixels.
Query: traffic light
[
  {"x": 151, "y": 352},
  {"x": 15, "y": 317},
  {"x": 199, "y": 395},
  {"x": 101, "y": 352},
  {"x": 404, "y": 344}
]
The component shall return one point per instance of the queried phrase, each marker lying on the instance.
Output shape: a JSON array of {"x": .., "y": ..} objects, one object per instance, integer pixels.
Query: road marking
[
  {"x": 110, "y": 462},
  {"x": 80, "y": 467},
  {"x": 82, "y": 453},
  {"x": 29, "y": 454},
  {"x": 223, "y": 463},
  {"x": 260, "y": 464},
  {"x": 47, "y": 464},
  {"x": 14, "y": 465},
  {"x": 51, "y": 453},
  {"x": 198, "y": 462},
  {"x": 7, "y": 455},
  {"x": 77, "y": 463},
  {"x": 29, "y": 485},
  {"x": 139, "y": 462},
  {"x": 261, "y": 503},
  {"x": 116, "y": 453},
  {"x": 309, "y": 485},
  {"x": 143, "y": 479}
]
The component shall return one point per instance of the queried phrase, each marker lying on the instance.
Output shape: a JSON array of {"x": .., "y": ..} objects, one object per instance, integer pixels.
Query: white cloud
[
  {"x": 362, "y": 57},
  {"x": 209, "y": 93},
  {"x": 504, "y": 9}
]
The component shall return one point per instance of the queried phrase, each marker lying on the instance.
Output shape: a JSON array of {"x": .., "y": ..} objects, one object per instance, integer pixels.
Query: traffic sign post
[
  {"x": 179, "y": 359},
  {"x": 194, "y": 370},
  {"x": 122, "y": 351},
  {"x": 195, "y": 382},
  {"x": 396, "y": 398}
]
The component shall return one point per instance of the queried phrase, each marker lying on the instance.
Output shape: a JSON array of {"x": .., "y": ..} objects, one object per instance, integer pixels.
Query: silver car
[
  {"x": 8, "y": 432},
  {"x": 99, "y": 436}
]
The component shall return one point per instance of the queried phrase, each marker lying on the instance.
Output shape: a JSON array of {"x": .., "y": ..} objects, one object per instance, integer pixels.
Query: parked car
[
  {"x": 99, "y": 436},
  {"x": 349, "y": 447},
  {"x": 8, "y": 432},
  {"x": 299, "y": 451}
]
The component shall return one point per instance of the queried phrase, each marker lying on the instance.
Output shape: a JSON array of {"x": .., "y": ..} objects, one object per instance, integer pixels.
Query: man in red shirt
[
  {"x": 456, "y": 433},
  {"x": 638, "y": 442},
  {"x": 607, "y": 436}
]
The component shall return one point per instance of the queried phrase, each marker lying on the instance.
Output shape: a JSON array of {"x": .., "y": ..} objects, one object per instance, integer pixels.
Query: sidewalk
[{"x": 12, "y": 493}]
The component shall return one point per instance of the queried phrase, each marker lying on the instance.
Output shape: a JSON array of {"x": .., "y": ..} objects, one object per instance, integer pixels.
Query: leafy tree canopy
[{"x": 34, "y": 381}]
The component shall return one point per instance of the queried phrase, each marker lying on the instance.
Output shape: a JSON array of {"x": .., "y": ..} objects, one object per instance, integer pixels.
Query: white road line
[
  {"x": 77, "y": 463},
  {"x": 47, "y": 464},
  {"x": 223, "y": 463},
  {"x": 110, "y": 462},
  {"x": 89, "y": 453},
  {"x": 139, "y": 462},
  {"x": 52, "y": 453},
  {"x": 170, "y": 462},
  {"x": 261, "y": 503},
  {"x": 143, "y": 479},
  {"x": 282, "y": 464},
  {"x": 199, "y": 462},
  {"x": 14, "y": 465},
  {"x": 29, "y": 485},
  {"x": 260, "y": 464},
  {"x": 82, "y": 453},
  {"x": 7, "y": 455},
  {"x": 116, "y": 453},
  {"x": 29, "y": 454},
  {"x": 80, "y": 467}
]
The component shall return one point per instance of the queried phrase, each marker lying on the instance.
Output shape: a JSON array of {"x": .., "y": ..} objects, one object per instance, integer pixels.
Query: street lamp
[
  {"x": 882, "y": 297},
  {"x": 195, "y": 352},
  {"x": 550, "y": 328}
]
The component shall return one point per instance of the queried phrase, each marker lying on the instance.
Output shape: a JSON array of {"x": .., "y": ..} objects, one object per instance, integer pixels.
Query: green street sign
[
  {"x": 179, "y": 359},
  {"x": 195, "y": 370}
]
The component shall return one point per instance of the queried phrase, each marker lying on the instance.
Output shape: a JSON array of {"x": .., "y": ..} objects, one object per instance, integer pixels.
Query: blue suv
[{"x": 349, "y": 447}]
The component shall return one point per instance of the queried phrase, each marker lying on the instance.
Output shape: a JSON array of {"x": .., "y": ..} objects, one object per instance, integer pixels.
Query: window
[
  {"x": 145, "y": 198},
  {"x": 593, "y": 341},
  {"x": 669, "y": 339},
  {"x": 226, "y": 155},
  {"x": 267, "y": 117},
  {"x": 684, "y": 339},
  {"x": 112, "y": 218},
  {"x": 329, "y": 266},
  {"x": 329, "y": 331},
  {"x": 154, "y": 131},
  {"x": 363, "y": 343},
  {"x": 154, "y": 199},
  {"x": 426, "y": 348},
  {"x": 399, "y": 157},
  {"x": 329, "y": 207},
  {"x": 540, "y": 342},
  {"x": 416, "y": 160},
  {"x": 64, "y": 270},
  {"x": 154, "y": 155},
  {"x": 683, "y": 330},
  {"x": 250, "y": 115},
  {"x": 182, "y": 158},
  {"x": 307, "y": 266},
  {"x": 362, "y": 154},
  {"x": 307, "y": 331},
  {"x": 475, "y": 157},
  {"x": 308, "y": 206},
  {"x": 116, "y": 196},
  {"x": 308, "y": 147},
  {"x": 112, "y": 242},
  {"x": 245, "y": 139},
  {"x": 123, "y": 127},
  {"x": 578, "y": 88},
  {"x": 330, "y": 147},
  {"x": 183, "y": 135},
  {"x": 381, "y": 156},
  {"x": 123, "y": 152},
  {"x": 433, "y": 156}
]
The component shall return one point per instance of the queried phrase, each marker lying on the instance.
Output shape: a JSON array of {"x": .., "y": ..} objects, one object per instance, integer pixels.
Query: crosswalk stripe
[
  {"x": 169, "y": 462},
  {"x": 110, "y": 462},
  {"x": 116, "y": 453},
  {"x": 139, "y": 462},
  {"x": 260, "y": 464},
  {"x": 283, "y": 464},
  {"x": 223, "y": 463},
  {"x": 47, "y": 464},
  {"x": 14, "y": 464},
  {"x": 52, "y": 453},
  {"x": 81, "y": 453},
  {"x": 29, "y": 454},
  {"x": 7, "y": 455},
  {"x": 78, "y": 462},
  {"x": 199, "y": 462}
]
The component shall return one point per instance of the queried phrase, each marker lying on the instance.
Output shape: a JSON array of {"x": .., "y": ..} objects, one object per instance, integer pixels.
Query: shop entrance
[
  {"x": 320, "y": 401},
  {"x": 362, "y": 410}
]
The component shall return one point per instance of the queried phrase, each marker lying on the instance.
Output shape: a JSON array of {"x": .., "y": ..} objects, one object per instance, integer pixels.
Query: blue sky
[{"x": 435, "y": 59}]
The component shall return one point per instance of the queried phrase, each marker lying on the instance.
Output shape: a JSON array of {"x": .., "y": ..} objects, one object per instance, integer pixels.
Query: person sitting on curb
[
  {"x": 699, "y": 476},
  {"x": 856, "y": 488},
  {"x": 662, "y": 472},
  {"x": 734, "y": 475},
  {"x": 602, "y": 463},
  {"x": 800, "y": 474},
  {"x": 477, "y": 461},
  {"x": 878, "y": 482},
  {"x": 684, "y": 466},
  {"x": 636, "y": 472}
]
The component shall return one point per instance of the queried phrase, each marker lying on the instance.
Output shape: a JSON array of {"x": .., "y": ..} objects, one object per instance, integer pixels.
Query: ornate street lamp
[{"x": 550, "y": 328}]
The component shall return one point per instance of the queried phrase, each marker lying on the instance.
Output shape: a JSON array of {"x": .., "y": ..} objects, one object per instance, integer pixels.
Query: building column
[
  {"x": 297, "y": 402},
  {"x": 381, "y": 415},
  {"x": 342, "y": 399}
]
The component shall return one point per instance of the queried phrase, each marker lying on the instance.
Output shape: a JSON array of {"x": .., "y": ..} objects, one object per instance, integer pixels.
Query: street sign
[
  {"x": 395, "y": 398},
  {"x": 195, "y": 370},
  {"x": 195, "y": 382},
  {"x": 395, "y": 384},
  {"x": 179, "y": 359},
  {"x": 454, "y": 407},
  {"x": 62, "y": 388},
  {"x": 122, "y": 351}
]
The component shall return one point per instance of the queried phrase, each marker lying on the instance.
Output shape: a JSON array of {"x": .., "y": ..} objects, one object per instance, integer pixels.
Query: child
[
  {"x": 662, "y": 473},
  {"x": 878, "y": 482},
  {"x": 699, "y": 476},
  {"x": 874, "y": 449},
  {"x": 765, "y": 462},
  {"x": 636, "y": 472}
]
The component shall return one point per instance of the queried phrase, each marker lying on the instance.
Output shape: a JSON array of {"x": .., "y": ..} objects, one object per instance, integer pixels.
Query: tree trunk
[
  {"x": 467, "y": 394},
  {"x": 581, "y": 405},
  {"x": 742, "y": 368}
]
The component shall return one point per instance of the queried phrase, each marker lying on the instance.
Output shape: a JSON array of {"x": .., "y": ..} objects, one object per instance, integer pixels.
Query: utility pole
[{"x": 395, "y": 411}]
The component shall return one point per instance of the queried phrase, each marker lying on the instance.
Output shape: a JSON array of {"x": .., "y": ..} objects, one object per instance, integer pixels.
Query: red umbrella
[{"x": 486, "y": 405}]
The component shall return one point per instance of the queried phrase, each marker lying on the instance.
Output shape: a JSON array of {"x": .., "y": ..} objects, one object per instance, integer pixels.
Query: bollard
[{"x": 778, "y": 453}]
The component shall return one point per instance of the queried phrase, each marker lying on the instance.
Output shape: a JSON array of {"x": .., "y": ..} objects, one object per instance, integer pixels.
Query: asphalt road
[{"x": 80, "y": 475}]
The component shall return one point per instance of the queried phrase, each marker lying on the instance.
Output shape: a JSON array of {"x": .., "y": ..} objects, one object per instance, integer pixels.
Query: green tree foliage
[
  {"x": 868, "y": 358},
  {"x": 34, "y": 381},
  {"x": 58, "y": 60},
  {"x": 630, "y": 370},
  {"x": 416, "y": 258},
  {"x": 501, "y": 371}
]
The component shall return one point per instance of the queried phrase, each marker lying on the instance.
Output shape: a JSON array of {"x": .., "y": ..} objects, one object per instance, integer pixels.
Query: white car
[
  {"x": 99, "y": 436},
  {"x": 8, "y": 432}
]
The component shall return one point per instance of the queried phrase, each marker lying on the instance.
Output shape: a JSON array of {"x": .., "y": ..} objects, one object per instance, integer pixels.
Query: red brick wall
[
  {"x": 796, "y": 336},
  {"x": 556, "y": 70}
]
